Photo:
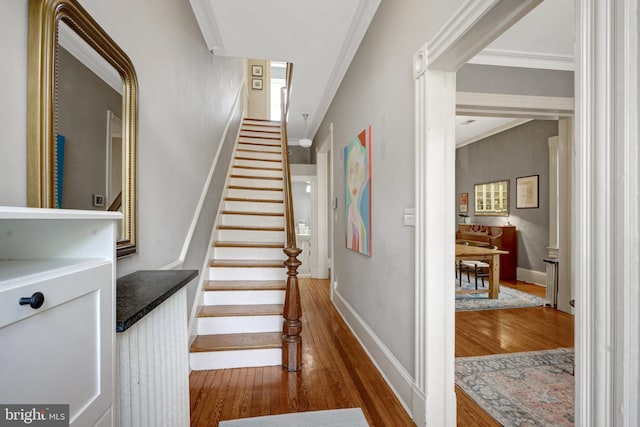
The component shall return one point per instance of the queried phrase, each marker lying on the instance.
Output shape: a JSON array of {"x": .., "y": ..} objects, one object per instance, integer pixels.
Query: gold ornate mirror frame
[{"x": 44, "y": 16}]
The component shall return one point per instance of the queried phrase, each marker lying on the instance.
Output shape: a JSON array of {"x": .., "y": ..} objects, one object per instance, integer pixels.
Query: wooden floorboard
[
  {"x": 481, "y": 333},
  {"x": 338, "y": 374}
]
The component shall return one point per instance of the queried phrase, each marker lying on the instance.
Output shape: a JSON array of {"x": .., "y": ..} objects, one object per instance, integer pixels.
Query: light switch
[{"x": 409, "y": 217}]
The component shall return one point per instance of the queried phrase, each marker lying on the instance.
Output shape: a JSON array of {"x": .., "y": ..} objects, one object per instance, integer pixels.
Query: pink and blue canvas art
[{"x": 357, "y": 170}]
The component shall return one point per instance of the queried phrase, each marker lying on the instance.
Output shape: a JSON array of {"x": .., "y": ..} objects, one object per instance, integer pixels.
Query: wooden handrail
[
  {"x": 116, "y": 204},
  {"x": 292, "y": 311}
]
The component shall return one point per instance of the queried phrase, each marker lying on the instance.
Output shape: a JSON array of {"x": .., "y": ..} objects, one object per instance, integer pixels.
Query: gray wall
[
  {"x": 299, "y": 155},
  {"x": 185, "y": 97},
  {"x": 514, "y": 80},
  {"x": 377, "y": 90},
  {"x": 301, "y": 202},
  {"x": 201, "y": 241},
  {"x": 517, "y": 152},
  {"x": 82, "y": 102}
]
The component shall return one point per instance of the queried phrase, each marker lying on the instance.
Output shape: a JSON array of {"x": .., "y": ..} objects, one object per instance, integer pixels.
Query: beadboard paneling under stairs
[{"x": 240, "y": 322}]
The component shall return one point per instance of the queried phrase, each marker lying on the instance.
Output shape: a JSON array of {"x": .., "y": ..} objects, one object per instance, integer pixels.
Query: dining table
[{"x": 491, "y": 257}]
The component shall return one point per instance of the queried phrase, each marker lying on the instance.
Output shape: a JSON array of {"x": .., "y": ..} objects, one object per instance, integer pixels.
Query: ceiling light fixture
[{"x": 305, "y": 142}]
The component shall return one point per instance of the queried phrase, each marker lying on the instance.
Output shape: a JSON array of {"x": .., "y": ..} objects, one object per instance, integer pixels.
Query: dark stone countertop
[{"x": 137, "y": 294}]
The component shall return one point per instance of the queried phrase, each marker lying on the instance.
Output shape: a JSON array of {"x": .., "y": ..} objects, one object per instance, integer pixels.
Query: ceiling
[{"x": 271, "y": 29}]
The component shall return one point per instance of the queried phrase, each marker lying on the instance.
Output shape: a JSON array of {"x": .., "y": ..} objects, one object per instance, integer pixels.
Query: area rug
[
  {"x": 352, "y": 417},
  {"x": 521, "y": 389},
  {"x": 507, "y": 298}
]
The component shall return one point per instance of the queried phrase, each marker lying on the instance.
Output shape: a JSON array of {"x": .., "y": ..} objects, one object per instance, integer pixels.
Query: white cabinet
[{"x": 62, "y": 351}]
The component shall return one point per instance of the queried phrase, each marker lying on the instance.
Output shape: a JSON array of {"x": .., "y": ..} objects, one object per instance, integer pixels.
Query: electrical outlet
[
  {"x": 98, "y": 200},
  {"x": 335, "y": 285}
]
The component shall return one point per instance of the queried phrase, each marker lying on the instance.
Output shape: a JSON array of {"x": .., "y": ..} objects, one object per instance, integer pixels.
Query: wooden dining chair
[{"x": 479, "y": 268}]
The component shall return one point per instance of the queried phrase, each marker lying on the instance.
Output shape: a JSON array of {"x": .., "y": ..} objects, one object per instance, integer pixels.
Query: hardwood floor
[
  {"x": 337, "y": 373},
  {"x": 480, "y": 333}
]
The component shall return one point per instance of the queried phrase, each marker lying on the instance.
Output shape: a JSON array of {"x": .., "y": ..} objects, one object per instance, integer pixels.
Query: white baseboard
[
  {"x": 532, "y": 276},
  {"x": 400, "y": 381}
]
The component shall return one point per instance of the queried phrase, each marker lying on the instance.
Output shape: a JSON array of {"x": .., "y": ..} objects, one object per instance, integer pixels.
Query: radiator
[
  {"x": 153, "y": 371},
  {"x": 552, "y": 282}
]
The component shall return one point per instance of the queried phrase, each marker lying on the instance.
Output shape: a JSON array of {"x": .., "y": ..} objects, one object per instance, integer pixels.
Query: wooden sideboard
[{"x": 504, "y": 237}]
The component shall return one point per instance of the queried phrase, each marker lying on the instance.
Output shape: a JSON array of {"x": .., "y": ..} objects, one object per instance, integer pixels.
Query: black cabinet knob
[{"x": 35, "y": 301}]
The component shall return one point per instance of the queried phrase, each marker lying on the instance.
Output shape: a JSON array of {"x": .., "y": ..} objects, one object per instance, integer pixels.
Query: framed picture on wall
[
  {"x": 256, "y": 70},
  {"x": 256, "y": 84},
  {"x": 463, "y": 199},
  {"x": 527, "y": 192}
]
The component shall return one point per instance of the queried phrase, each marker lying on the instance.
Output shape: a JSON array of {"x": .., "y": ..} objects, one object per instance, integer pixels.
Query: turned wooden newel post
[{"x": 292, "y": 312}]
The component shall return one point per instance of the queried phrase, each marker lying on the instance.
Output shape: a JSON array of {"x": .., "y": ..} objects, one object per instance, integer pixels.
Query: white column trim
[
  {"x": 554, "y": 194},
  {"x": 435, "y": 228},
  {"x": 606, "y": 200},
  {"x": 566, "y": 291}
]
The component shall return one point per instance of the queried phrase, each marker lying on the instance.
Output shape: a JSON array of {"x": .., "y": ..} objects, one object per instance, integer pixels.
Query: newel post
[{"x": 292, "y": 312}]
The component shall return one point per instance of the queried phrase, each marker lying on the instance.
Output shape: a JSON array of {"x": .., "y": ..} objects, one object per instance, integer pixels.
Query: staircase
[{"x": 240, "y": 323}]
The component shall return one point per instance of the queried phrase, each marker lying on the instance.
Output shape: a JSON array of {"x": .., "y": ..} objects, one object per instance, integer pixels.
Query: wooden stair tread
[
  {"x": 245, "y": 285},
  {"x": 258, "y": 168},
  {"x": 262, "y": 124},
  {"x": 247, "y": 187},
  {"x": 261, "y": 131},
  {"x": 270, "y": 178},
  {"x": 247, "y": 263},
  {"x": 223, "y": 244},
  {"x": 270, "y": 138},
  {"x": 240, "y": 310},
  {"x": 247, "y": 199},
  {"x": 259, "y": 144},
  {"x": 259, "y": 160},
  {"x": 245, "y": 150},
  {"x": 229, "y": 342},
  {"x": 249, "y": 228},
  {"x": 226, "y": 212}
]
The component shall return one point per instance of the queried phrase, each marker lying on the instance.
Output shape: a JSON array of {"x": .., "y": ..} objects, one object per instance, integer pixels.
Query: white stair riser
[
  {"x": 260, "y": 125},
  {"x": 256, "y": 131},
  {"x": 248, "y": 253},
  {"x": 259, "y": 183},
  {"x": 235, "y": 273},
  {"x": 235, "y": 359},
  {"x": 253, "y": 155},
  {"x": 239, "y": 324},
  {"x": 262, "y": 207},
  {"x": 258, "y": 145},
  {"x": 257, "y": 163},
  {"x": 243, "y": 297},
  {"x": 256, "y": 194},
  {"x": 253, "y": 221},
  {"x": 257, "y": 172},
  {"x": 250, "y": 236}
]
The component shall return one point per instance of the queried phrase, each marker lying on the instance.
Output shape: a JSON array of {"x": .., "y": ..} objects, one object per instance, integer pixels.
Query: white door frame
[
  {"x": 474, "y": 25},
  {"x": 314, "y": 219},
  {"x": 324, "y": 160},
  {"x": 606, "y": 184}
]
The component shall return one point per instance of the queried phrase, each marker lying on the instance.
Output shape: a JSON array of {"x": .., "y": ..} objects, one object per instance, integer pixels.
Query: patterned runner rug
[
  {"x": 521, "y": 389},
  {"x": 507, "y": 298}
]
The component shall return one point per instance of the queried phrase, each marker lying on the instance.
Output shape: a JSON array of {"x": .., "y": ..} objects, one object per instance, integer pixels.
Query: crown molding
[
  {"x": 474, "y": 25},
  {"x": 524, "y": 106},
  {"x": 359, "y": 25},
  {"x": 206, "y": 18},
  {"x": 512, "y": 58},
  {"x": 91, "y": 59},
  {"x": 491, "y": 132}
]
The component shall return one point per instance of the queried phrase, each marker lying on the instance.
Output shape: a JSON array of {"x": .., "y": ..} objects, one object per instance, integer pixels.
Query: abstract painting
[{"x": 357, "y": 171}]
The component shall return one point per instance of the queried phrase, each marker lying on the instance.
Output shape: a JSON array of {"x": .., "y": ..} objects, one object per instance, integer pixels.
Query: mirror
[
  {"x": 82, "y": 117},
  {"x": 492, "y": 198}
]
